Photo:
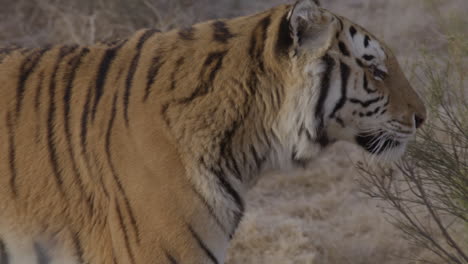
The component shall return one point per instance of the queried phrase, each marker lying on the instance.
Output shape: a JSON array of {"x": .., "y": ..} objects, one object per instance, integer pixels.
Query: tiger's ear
[{"x": 311, "y": 27}]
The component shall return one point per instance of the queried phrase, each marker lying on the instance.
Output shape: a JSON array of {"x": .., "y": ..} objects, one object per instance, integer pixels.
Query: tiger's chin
[{"x": 383, "y": 147}]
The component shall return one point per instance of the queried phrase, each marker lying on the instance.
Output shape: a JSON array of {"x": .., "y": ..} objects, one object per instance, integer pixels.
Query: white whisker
[{"x": 378, "y": 146}]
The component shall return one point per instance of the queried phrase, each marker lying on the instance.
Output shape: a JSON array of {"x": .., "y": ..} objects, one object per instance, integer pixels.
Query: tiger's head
[{"x": 349, "y": 87}]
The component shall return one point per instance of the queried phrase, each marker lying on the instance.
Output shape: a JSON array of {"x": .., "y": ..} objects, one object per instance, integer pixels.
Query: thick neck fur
[
  {"x": 230, "y": 108},
  {"x": 221, "y": 111},
  {"x": 224, "y": 123}
]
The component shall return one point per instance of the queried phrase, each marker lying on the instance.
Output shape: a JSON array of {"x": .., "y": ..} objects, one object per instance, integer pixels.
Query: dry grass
[{"x": 315, "y": 216}]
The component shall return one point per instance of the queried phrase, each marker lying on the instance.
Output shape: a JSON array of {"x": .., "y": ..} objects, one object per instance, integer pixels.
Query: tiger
[{"x": 142, "y": 150}]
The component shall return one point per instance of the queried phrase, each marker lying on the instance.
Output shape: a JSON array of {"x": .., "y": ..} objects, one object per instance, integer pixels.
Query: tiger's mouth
[{"x": 377, "y": 143}]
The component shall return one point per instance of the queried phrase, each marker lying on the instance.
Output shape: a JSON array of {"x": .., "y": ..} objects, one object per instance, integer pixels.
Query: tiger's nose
[{"x": 418, "y": 120}]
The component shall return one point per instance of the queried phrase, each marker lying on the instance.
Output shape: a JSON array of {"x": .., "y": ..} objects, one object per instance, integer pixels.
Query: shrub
[{"x": 426, "y": 193}]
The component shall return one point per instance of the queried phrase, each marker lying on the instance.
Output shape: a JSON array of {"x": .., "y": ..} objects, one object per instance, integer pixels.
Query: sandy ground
[{"x": 317, "y": 215}]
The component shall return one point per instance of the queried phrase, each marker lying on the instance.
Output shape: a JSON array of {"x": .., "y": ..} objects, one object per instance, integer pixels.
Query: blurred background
[{"x": 319, "y": 215}]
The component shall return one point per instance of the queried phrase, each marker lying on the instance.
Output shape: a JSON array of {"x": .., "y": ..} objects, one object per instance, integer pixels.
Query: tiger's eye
[{"x": 378, "y": 73}]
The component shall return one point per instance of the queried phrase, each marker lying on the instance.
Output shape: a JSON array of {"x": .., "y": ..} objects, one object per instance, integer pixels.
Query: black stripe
[
  {"x": 285, "y": 39},
  {"x": 164, "y": 109},
  {"x": 366, "y": 85},
  {"x": 37, "y": 104},
  {"x": 202, "y": 245},
  {"x": 74, "y": 63},
  {"x": 378, "y": 73},
  {"x": 178, "y": 63},
  {"x": 85, "y": 117},
  {"x": 344, "y": 71},
  {"x": 232, "y": 192},
  {"x": 258, "y": 42},
  {"x": 53, "y": 155},
  {"x": 352, "y": 31},
  {"x": 104, "y": 66},
  {"x": 203, "y": 88},
  {"x": 340, "y": 121},
  {"x": 265, "y": 137},
  {"x": 221, "y": 32},
  {"x": 12, "y": 154},
  {"x": 227, "y": 153},
  {"x": 278, "y": 96},
  {"x": 123, "y": 227},
  {"x": 250, "y": 92},
  {"x": 359, "y": 62},
  {"x": 371, "y": 113},
  {"x": 227, "y": 187},
  {"x": 387, "y": 102},
  {"x": 322, "y": 139},
  {"x": 4, "y": 258},
  {"x": 37, "y": 97},
  {"x": 187, "y": 33},
  {"x": 341, "y": 23},
  {"x": 366, "y": 41},
  {"x": 27, "y": 68},
  {"x": 329, "y": 62},
  {"x": 153, "y": 71},
  {"x": 344, "y": 50},
  {"x": 366, "y": 103},
  {"x": 244, "y": 160},
  {"x": 84, "y": 128},
  {"x": 113, "y": 170},
  {"x": 169, "y": 257},
  {"x": 368, "y": 57},
  {"x": 78, "y": 248},
  {"x": 324, "y": 87},
  {"x": 211, "y": 211},
  {"x": 42, "y": 256},
  {"x": 258, "y": 160},
  {"x": 252, "y": 83},
  {"x": 231, "y": 161},
  {"x": 131, "y": 73}
]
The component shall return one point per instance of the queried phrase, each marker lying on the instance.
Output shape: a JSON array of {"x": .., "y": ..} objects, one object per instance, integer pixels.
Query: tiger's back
[{"x": 65, "y": 111}]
